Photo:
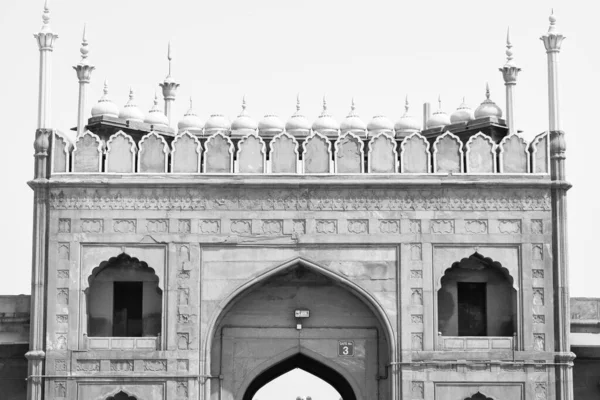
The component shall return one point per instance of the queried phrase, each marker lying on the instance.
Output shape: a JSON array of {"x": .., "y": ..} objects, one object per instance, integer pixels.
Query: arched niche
[
  {"x": 316, "y": 154},
  {"x": 120, "y": 153},
  {"x": 481, "y": 154},
  {"x": 415, "y": 156},
  {"x": 61, "y": 148},
  {"x": 447, "y": 154},
  {"x": 477, "y": 298},
  {"x": 124, "y": 299},
  {"x": 514, "y": 157},
  {"x": 223, "y": 314},
  {"x": 153, "y": 155},
  {"x": 479, "y": 396},
  {"x": 284, "y": 154},
  {"x": 121, "y": 396},
  {"x": 218, "y": 154},
  {"x": 87, "y": 153},
  {"x": 383, "y": 156},
  {"x": 251, "y": 154},
  {"x": 349, "y": 154},
  {"x": 540, "y": 154},
  {"x": 185, "y": 156}
]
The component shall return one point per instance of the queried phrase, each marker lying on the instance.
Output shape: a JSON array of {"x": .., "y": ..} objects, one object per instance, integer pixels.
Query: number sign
[{"x": 345, "y": 348}]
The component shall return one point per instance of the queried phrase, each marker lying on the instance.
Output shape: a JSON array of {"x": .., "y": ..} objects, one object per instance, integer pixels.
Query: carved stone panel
[
  {"x": 88, "y": 366},
  {"x": 481, "y": 154},
  {"x": 183, "y": 296},
  {"x": 537, "y": 226},
  {"x": 152, "y": 157},
  {"x": 415, "y": 252},
  {"x": 183, "y": 341},
  {"x": 358, "y": 226},
  {"x": 415, "y": 156},
  {"x": 317, "y": 154},
  {"x": 414, "y": 226},
  {"x": 186, "y": 154},
  {"x": 476, "y": 226},
  {"x": 64, "y": 251},
  {"x": 124, "y": 225},
  {"x": 537, "y": 252},
  {"x": 416, "y": 297},
  {"x": 241, "y": 226},
  {"x": 218, "y": 155},
  {"x": 182, "y": 389},
  {"x": 299, "y": 227},
  {"x": 92, "y": 225},
  {"x": 87, "y": 153},
  {"x": 60, "y": 389},
  {"x": 326, "y": 226},
  {"x": 121, "y": 365},
  {"x": 272, "y": 226},
  {"x": 389, "y": 226},
  {"x": 184, "y": 226},
  {"x": 509, "y": 226},
  {"x": 538, "y": 296},
  {"x": 183, "y": 365},
  {"x": 442, "y": 226},
  {"x": 417, "y": 341},
  {"x": 251, "y": 155},
  {"x": 157, "y": 225},
  {"x": 120, "y": 153},
  {"x": 155, "y": 365},
  {"x": 64, "y": 225},
  {"x": 284, "y": 154},
  {"x": 417, "y": 390},
  {"x": 349, "y": 154},
  {"x": 447, "y": 154},
  {"x": 539, "y": 342},
  {"x": 514, "y": 157},
  {"x": 210, "y": 226},
  {"x": 62, "y": 296}
]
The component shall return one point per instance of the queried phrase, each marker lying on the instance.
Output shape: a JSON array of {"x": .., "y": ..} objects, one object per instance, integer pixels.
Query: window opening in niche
[
  {"x": 127, "y": 309},
  {"x": 472, "y": 309}
]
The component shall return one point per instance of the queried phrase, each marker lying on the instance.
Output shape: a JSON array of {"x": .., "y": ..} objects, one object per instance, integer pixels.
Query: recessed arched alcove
[
  {"x": 477, "y": 298},
  {"x": 121, "y": 396},
  {"x": 301, "y": 361},
  {"x": 124, "y": 299}
]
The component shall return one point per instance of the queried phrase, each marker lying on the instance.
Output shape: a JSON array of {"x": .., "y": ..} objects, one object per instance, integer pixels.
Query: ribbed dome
[
  {"x": 352, "y": 122},
  {"x": 105, "y": 107},
  {"x": 131, "y": 112},
  {"x": 380, "y": 123},
  {"x": 155, "y": 115},
  {"x": 298, "y": 124},
  {"x": 190, "y": 122},
  {"x": 463, "y": 113},
  {"x": 407, "y": 124},
  {"x": 217, "y": 122},
  {"x": 439, "y": 118},
  {"x": 488, "y": 108},
  {"x": 244, "y": 122},
  {"x": 325, "y": 124},
  {"x": 271, "y": 123}
]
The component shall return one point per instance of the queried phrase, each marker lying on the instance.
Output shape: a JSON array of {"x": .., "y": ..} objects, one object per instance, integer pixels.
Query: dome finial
[
  {"x": 298, "y": 102},
  {"x": 84, "y": 46},
  {"x": 440, "y": 101},
  {"x": 353, "y": 106},
  {"x": 487, "y": 90},
  {"x": 552, "y": 18},
  {"x": 156, "y": 99},
  {"x": 105, "y": 90},
  {"x": 406, "y": 105},
  {"x": 169, "y": 57},
  {"x": 191, "y": 103},
  {"x": 46, "y": 17},
  {"x": 509, "y": 52},
  {"x": 130, "y": 93},
  {"x": 324, "y": 104}
]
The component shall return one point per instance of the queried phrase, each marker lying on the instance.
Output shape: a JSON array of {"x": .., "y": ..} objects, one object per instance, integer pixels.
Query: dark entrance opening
[
  {"x": 127, "y": 308},
  {"x": 472, "y": 316},
  {"x": 309, "y": 365}
]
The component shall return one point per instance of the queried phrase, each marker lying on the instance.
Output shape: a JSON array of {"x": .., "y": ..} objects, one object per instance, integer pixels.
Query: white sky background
[{"x": 377, "y": 51}]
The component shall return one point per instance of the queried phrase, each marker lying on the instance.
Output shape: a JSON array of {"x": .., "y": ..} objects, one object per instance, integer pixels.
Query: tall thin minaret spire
[
  {"x": 510, "y": 72},
  {"x": 560, "y": 260},
  {"x": 84, "y": 74},
  {"x": 169, "y": 87},
  {"x": 45, "y": 39}
]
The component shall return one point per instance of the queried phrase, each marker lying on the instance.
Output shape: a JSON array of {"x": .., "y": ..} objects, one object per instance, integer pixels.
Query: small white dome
[
  {"x": 217, "y": 122},
  {"x": 407, "y": 124},
  {"x": 155, "y": 115},
  {"x": 190, "y": 122},
  {"x": 325, "y": 124},
  {"x": 488, "y": 108},
  {"x": 298, "y": 124},
  {"x": 352, "y": 122},
  {"x": 463, "y": 113},
  {"x": 380, "y": 123},
  {"x": 243, "y": 122},
  {"x": 105, "y": 107},
  {"x": 131, "y": 112},
  {"x": 439, "y": 118},
  {"x": 271, "y": 124}
]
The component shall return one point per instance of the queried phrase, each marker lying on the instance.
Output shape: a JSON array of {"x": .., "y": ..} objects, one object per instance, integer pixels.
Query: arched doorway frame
[
  {"x": 367, "y": 298},
  {"x": 290, "y": 353}
]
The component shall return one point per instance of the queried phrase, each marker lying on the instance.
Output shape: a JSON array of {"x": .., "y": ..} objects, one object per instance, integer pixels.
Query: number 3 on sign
[{"x": 345, "y": 348}]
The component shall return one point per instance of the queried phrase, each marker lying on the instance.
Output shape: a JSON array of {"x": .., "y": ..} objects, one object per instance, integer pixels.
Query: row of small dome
[{"x": 298, "y": 123}]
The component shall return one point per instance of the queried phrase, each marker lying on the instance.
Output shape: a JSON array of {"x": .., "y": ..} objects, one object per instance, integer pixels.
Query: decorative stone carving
[
  {"x": 539, "y": 319},
  {"x": 447, "y": 154},
  {"x": 316, "y": 154},
  {"x": 478, "y": 396},
  {"x": 184, "y": 226},
  {"x": 184, "y": 318},
  {"x": 308, "y": 199},
  {"x": 272, "y": 226},
  {"x": 62, "y": 296},
  {"x": 124, "y": 225},
  {"x": 417, "y": 390},
  {"x": 251, "y": 155},
  {"x": 183, "y": 365},
  {"x": 415, "y": 155},
  {"x": 157, "y": 226},
  {"x": 476, "y": 226},
  {"x": 183, "y": 340},
  {"x": 153, "y": 154},
  {"x": 481, "y": 154},
  {"x": 64, "y": 225},
  {"x": 442, "y": 226},
  {"x": 414, "y": 226},
  {"x": 509, "y": 226},
  {"x": 537, "y": 226},
  {"x": 517, "y": 367},
  {"x": 417, "y": 341},
  {"x": 62, "y": 274},
  {"x": 185, "y": 156},
  {"x": 284, "y": 154},
  {"x": 241, "y": 226},
  {"x": 183, "y": 296},
  {"x": 210, "y": 226},
  {"x": 182, "y": 389},
  {"x": 539, "y": 342},
  {"x": 155, "y": 365},
  {"x": 326, "y": 226},
  {"x": 416, "y": 319},
  {"x": 540, "y": 391},
  {"x": 87, "y": 153},
  {"x": 540, "y": 154},
  {"x": 120, "y": 153},
  {"x": 415, "y": 252},
  {"x": 60, "y": 389},
  {"x": 218, "y": 154},
  {"x": 416, "y": 297},
  {"x": 183, "y": 274},
  {"x": 62, "y": 319},
  {"x": 184, "y": 253},
  {"x": 514, "y": 157},
  {"x": 538, "y": 274},
  {"x": 538, "y": 296},
  {"x": 88, "y": 366},
  {"x": 63, "y": 251},
  {"x": 416, "y": 274},
  {"x": 92, "y": 225},
  {"x": 299, "y": 227},
  {"x": 121, "y": 365},
  {"x": 358, "y": 226},
  {"x": 537, "y": 251},
  {"x": 389, "y": 226},
  {"x": 60, "y": 365},
  {"x": 383, "y": 156}
]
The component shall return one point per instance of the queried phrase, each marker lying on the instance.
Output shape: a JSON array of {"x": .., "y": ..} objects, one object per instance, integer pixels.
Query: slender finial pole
[
  {"x": 439, "y": 102},
  {"x": 84, "y": 75},
  {"x": 353, "y": 105},
  {"x": 298, "y": 102},
  {"x": 324, "y": 104},
  {"x": 406, "y": 104},
  {"x": 169, "y": 57},
  {"x": 45, "y": 39},
  {"x": 510, "y": 72},
  {"x": 169, "y": 86}
]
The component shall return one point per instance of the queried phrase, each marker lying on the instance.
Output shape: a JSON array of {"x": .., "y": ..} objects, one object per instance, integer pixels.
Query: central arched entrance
[
  {"x": 257, "y": 336},
  {"x": 307, "y": 364}
]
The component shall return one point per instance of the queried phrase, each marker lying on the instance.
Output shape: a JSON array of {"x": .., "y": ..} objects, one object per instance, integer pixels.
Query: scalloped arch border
[
  {"x": 487, "y": 262},
  {"x": 277, "y": 138},
  {"x": 337, "y": 148},
  {"x": 174, "y": 150},
  {"x": 461, "y": 154},
  {"x": 206, "y": 151},
  {"x": 117, "y": 259},
  {"x": 392, "y": 140},
  {"x": 263, "y": 150},
  {"x": 316, "y": 135}
]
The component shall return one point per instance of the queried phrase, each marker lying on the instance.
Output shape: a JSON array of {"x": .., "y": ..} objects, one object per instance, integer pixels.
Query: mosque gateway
[{"x": 421, "y": 259}]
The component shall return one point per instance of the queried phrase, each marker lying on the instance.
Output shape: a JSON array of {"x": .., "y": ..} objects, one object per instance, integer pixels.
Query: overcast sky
[{"x": 376, "y": 51}]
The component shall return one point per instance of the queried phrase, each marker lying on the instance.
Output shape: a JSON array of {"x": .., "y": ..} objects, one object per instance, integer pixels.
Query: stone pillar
[
  {"x": 84, "y": 74},
  {"x": 45, "y": 38},
  {"x": 510, "y": 72},
  {"x": 563, "y": 355}
]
